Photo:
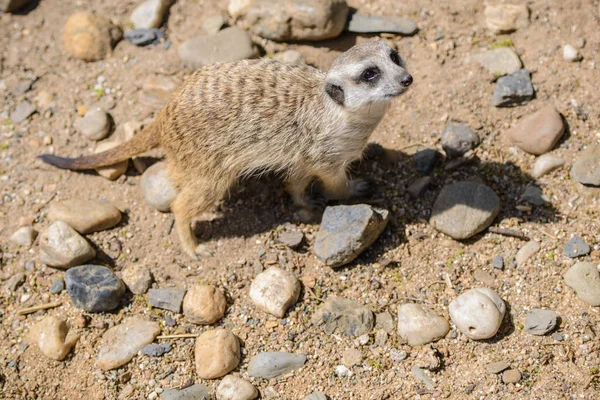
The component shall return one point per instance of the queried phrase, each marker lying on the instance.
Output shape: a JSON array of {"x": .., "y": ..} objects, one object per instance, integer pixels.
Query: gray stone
[
  {"x": 584, "y": 278},
  {"x": 269, "y": 365},
  {"x": 541, "y": 322},
  {"x": 534, "y": 195},
  {"x": 539, "y": 132},
  {"x": 376, "y": 24},
  {"x": 457, "y": 139},
  {"x": 157, "y": 188},
  {"x": 418, "y": 186},
  {"x": 155, "y": 349},
  {"x": 425, "y": 160},
  {"x": 230, "y": 44},
  {"x": 24, "y": 236},
  {"x": 194, "y": 392},
  {"x": 137, "y": 278},
  {"x": 167, "y": 299},
  {"x": 346, "y": 231},
  {"x": 62, "y": 247},
  {"x": 85, "y": 216},
  {"x": 559, "y": 337},
  {"x": 464, "y": 209},
  {"x": 418, "y": 325},
  {"x": 498, "y": 262},
  {"x": 345, "y": 317},
  {"x": 421, "y": 376},
  {"x": 234, "y": 388},
  {"x": 22, "y": 112},
  {"x": 496, "y": 367},
  {"x": 385, "y": 322},
  {"x": 12, "y": 5},
  {"x": 291, "y": 239},
  {"x": 316, "y": 396},
  {"x": 478, "y": 313},
  {"x": 500, "y": 61},
  {"x": 513, "y": 90},
  {"x": 14, "y": 282},
  {"x": 576, "y": 247},
  {"x": 150, "y": 14},
  {"x": 94, "y": 288},
  {"x": 506, "y": 18},
  {"x": 144, "y": 37},
  {"x": 95, "y": 124},
  {"x": 586, "y": 169},
  {"x": 57, "y": 286},
  {"x": 526, "y": 252},
  {"x": 545, "y": 164}
]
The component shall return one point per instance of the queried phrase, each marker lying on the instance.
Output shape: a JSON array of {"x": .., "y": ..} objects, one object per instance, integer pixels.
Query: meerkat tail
[{"x": 147, "y": 139}]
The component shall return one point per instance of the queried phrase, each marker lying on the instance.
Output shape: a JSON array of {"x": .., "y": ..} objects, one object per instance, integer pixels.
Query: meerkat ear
[{"x": 335, "y": 92}]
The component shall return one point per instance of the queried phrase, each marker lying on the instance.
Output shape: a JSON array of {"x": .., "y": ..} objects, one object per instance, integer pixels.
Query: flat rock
[
  {"x": 234, "y": 388},
  {"x": 457, "y": 139},
  {"x": 419, "y": 325},
  {"x": 157, "y": 188},
  {"x": 57, "y": 286},
  {"x": 94, "y": 288},
  {"x": 539, "y": 132},
  {"x": 359, "y": 23},
  {"x": 111, "y": 172},
  {"x": 95, "y": 124},
  {"x": 351, "y": 357},
  {"x": 385, "y": 322},
  {"x": 511, "y": 376},
  {"x": 576, "y": 247},
  {"x": 526, "y": 252},
  {"x": 122, "y": 342},
  {"x": 230, "y": 44},
  {"x": 204, "y": 304},
  {"x": 545, "y": 164},
  {"x": 291, "y": 239},
  {"x": 346, "y": 231},
  {"x": 144, "y": 37},
  {"x": 421, "y": 376},
  {"x": 534, "y": 195},
  {"x": 194, "y": 392},
  {"x": 54, "y": 339},
  {"x": 269, "y": 365},
  {"x": 344, "y": 317},
  {"x": 150, "y": 14},
  {"x": 478, "y": 313},
  {"x": 155, "y": 349},
  {"x": 291, "y": 20},
  {"x": 62, "y": 247},
  {"x": 496, "y": 367},
  {"x": 90, "y": 37},
  {"x": 541, "y": 322},
  {"x": 464, "y": 209},
  {"x": 137, "y": 278},
  {"x": 274, "y": 291},
  {"x": 217, "y": 353},
  {"x": 14, "y": 282},
  {"x": 500, "y": 61},
  {"x": 167, "y": 299},
  {"x": 85, "y": 216},
  {"x": 24, "y": 236},
  {"x": 584, "y": 278},
  {"x": 586, "y": 169},
  {"x": 23, "y": 110},
  {"x": 513, "y": 90},
  {"x": 12, "y": 5},
  {"x": 425, "y": 160},
  {"x": 506, "y": 18}
]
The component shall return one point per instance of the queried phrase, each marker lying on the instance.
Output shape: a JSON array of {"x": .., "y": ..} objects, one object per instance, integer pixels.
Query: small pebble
[
  {"x": 90, "y": 37},
  {"x": 570, "y": 53},
  {"x": 526, "y": 252},
  {"x": 274, "y": 291},
  {"x": 359, "y": 23},
  {"x": 291, "y": 239},
  {"x": 217, "y": 352},
  {"x": 351, "y": 357},
  {"x": 511, "y": 376},
  {"x": 167, "y": 299},
  {"x": 24, "y": 236},
  {"x": 419, "y": 325},
  {"x": 22, "y": 112},
  {"x": 498, "y": 262},
  {"x": 498, "y": 62},
  {"x": 14, "y": 282},
  {"x": 541, "y": 322},
  {"x": 478, "y": 313},
  {"x": 62, "y": 247},
  {"x": 95, "y": 125},
  {"x": 94, "y": 288},
  {"x": 316, "y": 396},
  {"x": 137, "y": 278},
  {"x": 506, "y": 18},
  {"x": 496, "y": 367},
  {"x": 111, "y": 172},
  {"x": 269, "y": 365},
  {"x": 234, "y": 388},
  {"x": 398, "y": 355},
  {"x": 513, "y": 90},
  {"x": 534, "y": 195},
  {"x": 559, "y": 337},
  {"x": 54, "y": 339},
  {"x": 418, "y": 186},
  {"x": 422, "y": 377},
  {"x": 57, "y": 286},
  {"x": 586, "y": 168},
  {"x": 345, "y": 317},
  {"x": 204, "y": 304},
  {"x": 144, "y": 37},
  {"x": 457, "y": 139},
  {"x": 545, "y": 164},
  {"x": 584, "y": 278},
  {"x": 576, "y": 247},
  {"x": 155, "y": 349}
]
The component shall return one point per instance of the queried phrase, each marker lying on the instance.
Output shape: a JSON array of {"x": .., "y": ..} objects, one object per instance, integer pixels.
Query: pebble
[
  {"x": 511, "y": 376},
  {"x": 539, "y": 132},
  {"x": 351, "y": 357},
  {"x": 230, "y": 44},
  {"x": 150, "y": 14},
  {"x": 359, "y": 23},
  {"x": 95, "y": 124},
  {"x": 463, "y": 209},
  {"x": 418, "y": 186},
  {"x": 22, "y": 112},
  {"x": 54, "y": 339},
  {"x": 292, "y": 57},
  {"x": 422, "y": 377},
  {"x": 111, "y": 172},
  {"x": 291, "y": 239},
  {"x": 457, "y": 139},
  {"x": 94, "y": 288},
  {"x": 496, "y": 367},
  {"x": 12, "y": 5},
  {"x": 24, "y": 236},
  {"x": 384, "y": 321},
  {"x": 478, "y": 313},
  {"x": 62, "y": 247},
  {"x": 534, "y": 195},
  {"x": 204, "y": 304},
  {"x": 269, "y": 365},
  {"x": 541, "y": 322},
  {"x": 14, "y": 282},
  {"x": 526, "y": 252},
  {"x": 213, "y": 24},
  {"x": 398, "y": 355},
  {"x": 156, "y": 91},
  {"x": 559, "y": 337},
  {"x": 500, "y": 61},
  {"x": 316, "y": 396},
  {"x": 576, "y": 247},
  {"x": 586, "y": 169},
  {"x": 344, "y": 317},
  {"x": 346, "y": 231},
  {"x": 506, "y": 18},
  {"x": 418, "y": 325},
  {"x": 166, "y": 299},
  {"x": 217, "y": 353},
  {"x": 498, "y": 262},
  {"x": 155, "y": 349},
  {"x": 425, "y": 160},
  {"x": 570, "y": 53},
  {"x": 342, "y": 371},
  {"x": 274, "y": 291},
  {"x": 545, "y": 164},
  {"x": 57, "y": 286},
  {"x": 144, "y": 37},
  {"x": 291, "y": 20},
  {"x": 584, "y": 278},
  {"x": 137, "y": 278},
  {"x": 157, "y": 188},
  {"x": 194, "y": 392},
  {"x": 85, "y": 216},
  {"x": 90, "y": 37},
  {"x": 122, "y": 342},
  {"x": 513, "y": 90},
  {"x": 234, "y": 388}
]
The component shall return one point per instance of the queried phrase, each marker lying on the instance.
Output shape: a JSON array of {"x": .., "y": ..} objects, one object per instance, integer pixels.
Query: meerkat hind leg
[
  {"x": 303, "y": 195},
  {"x": 339, "y": 186}
]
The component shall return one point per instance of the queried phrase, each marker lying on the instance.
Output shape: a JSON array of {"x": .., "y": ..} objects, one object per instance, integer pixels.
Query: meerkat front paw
[{"x": 362, "y": 187}]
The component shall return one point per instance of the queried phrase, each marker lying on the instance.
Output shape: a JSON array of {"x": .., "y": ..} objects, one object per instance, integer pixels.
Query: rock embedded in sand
[
  {"x": 204, "y": 304},
  {"x": 584, "y": 278},
  {"x": 217, "y": 353},
  {"x": 270, "y": 365},
  {"x": 157, "y": 188},
  {"x": 54, "y": 339},
  {"x": 24, "y": 236},
  {"x": 90, "y": 37},
  {"x": 539, "y": 132},
  {"x": 419, "y": 325},
  {"x": 150, "y": 13},
  {"x": 137, "y": 278},
  {"x": 478, "y": 313},
  {"x": 506, "y": 18},
  {"x": 345, "y": 317},
  {"x": 586, "y": 168},
  {"x": 274, "y": 291},
  {"x": 62, "y": 247},
  {"x": 234, "y": 388},
  {"x": 95, "y": 124},
  {"x": 513, "y": 90},
  {"x": 94, "y": 288},
  {"x": 85, "y": 216}
]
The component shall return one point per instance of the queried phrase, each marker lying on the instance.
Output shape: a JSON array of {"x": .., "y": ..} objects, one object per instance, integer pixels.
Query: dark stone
[
  {"x": 12, "y": 5},
  {"x": 155, "y": 349},
  {"x": 94, "y": 288},
  {"x": 533, "y": 195},
  {"x": 457, "y": 139},
  {"x": 144, "y": 37},
  {"x": 57, "y": 286},
  {"x": 498, "y": 262},
  {"x": 167, "y": 299},
  {"x": 344, "y": 317},
  {"x": 576, "y": 247},
  {"x": 426, "y": 160},
  {"x": 513, "y": 90}
]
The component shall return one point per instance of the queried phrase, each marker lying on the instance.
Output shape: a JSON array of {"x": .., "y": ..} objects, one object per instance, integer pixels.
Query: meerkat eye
[
  {"x": 369, "y": 74},
  {"x": 395, "y": 57}
]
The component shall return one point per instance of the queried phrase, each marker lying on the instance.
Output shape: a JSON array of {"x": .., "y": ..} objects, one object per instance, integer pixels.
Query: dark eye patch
[
  {"x": 395, "y": 57},
  {"x": 370, "y": 75}
]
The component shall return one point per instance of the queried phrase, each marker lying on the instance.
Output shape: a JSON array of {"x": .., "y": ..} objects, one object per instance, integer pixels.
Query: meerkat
[{"x": 238, "y": 119}]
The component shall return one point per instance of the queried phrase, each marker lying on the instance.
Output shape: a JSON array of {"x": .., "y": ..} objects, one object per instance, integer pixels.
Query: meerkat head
[{"x": 368, "y": 73}]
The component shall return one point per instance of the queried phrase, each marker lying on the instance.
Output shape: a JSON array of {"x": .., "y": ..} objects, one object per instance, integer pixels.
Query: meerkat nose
[{"x": 406, "y": 81}]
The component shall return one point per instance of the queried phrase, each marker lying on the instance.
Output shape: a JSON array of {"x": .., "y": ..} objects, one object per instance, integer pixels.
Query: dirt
[{"x": 410, "y": 261}]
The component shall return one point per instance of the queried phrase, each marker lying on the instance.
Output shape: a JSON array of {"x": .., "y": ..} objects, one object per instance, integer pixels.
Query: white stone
[
  {"x": 478, "y": 313},
  {"x": 274, "y": 291},
  {"x": 62, "y": 247},
  {"x": 150, "y": 14},
  {"x": 419, "y": 325},
  {"x": 24, "y": 236},
  {"x": 546, "y": 163},
  {"x": 234, "y": 388},
  {"x": 570, "y": 53}
]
